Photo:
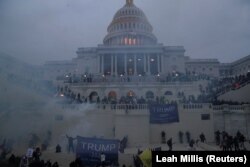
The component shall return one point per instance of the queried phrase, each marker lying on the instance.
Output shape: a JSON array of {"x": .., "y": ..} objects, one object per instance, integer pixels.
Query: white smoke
[{"x": 25, "y": 111}]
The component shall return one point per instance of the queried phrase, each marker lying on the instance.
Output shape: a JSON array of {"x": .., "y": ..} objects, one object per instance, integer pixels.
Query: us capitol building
[
  {"x": 130, "y": 48},
  {"x": 131, "y": 63}
]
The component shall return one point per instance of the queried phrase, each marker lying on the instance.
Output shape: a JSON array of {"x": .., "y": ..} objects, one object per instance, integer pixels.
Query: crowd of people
[
  {"x": 33, "y": 159},
  {"x": 134, "y": 100},
  {"x": 167, "y": 78},
  {"x": 221, "y": 102},
  {"x": 207, "y": 93},
  {"x": 72, "y": 98},
  {"x": 229, "y": 83},
  {"x": 228, "y": 142}
]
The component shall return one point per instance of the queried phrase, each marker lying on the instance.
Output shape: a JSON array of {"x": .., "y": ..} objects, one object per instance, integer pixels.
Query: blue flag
[
  {"x": 163, "y": 113},
  {"x": 89, "y": 150}
]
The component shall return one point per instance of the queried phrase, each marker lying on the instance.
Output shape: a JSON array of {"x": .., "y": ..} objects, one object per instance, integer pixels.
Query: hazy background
[{"x": 40, "y": 30}]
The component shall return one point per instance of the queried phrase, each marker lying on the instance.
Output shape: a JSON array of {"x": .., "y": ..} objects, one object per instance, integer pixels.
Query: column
[
  {"x": 144, "y": 60},
  {"x": 99, "y": 63},
  {"x": 135, "y": 65},
  {"x": 115, "y": 65},
  {"x": 158, "y": 63},
  {"x": 112, "y": 64},
  {"x": 149, "y": 71},
  {"x": 102, "y": 64},
  {"x": 125, "y": 64}
]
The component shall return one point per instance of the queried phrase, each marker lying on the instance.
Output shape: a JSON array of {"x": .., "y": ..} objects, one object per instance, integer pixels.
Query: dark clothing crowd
[{"x": 230, "y": 143}]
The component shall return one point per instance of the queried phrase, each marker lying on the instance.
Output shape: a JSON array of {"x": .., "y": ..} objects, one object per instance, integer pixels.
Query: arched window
[
  {"x": 149, "y": 95},
  {"x": 93, "y": 96},
  {"x": 121, "y": 41},
  {"x": 125, "y": 40},
  {"x": 112, "y": 96},
  {"x": 130, "y": 94},
  {"x": 168, "y": 93},
  {"x": 130, "y": 41},
  {"x": 134, "y": 41}
]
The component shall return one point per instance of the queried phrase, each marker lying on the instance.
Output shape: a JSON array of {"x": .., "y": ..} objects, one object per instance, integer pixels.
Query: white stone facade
[
  {"x": 130, "y": 48},
  {"x": 130, "y": 51}
]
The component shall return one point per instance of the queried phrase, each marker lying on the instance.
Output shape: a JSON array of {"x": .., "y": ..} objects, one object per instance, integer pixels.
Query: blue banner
[
  {"x": 90, "y": 149},
  {"x": 163, "y": 113}
]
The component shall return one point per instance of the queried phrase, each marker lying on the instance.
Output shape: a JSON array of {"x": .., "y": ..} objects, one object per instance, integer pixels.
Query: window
[
  {"x": 168, "y": 93},
  {"x": 126, "y": 41},
  {"x": 59, "y": 117},
  {"x": 134, "y": 41},
  {"x": 205, "y": 117},
  {"x": 149, "y": 95}
]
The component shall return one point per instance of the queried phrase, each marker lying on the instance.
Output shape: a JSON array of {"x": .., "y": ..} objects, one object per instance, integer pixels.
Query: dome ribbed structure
[{"x": 130, "y": 26}]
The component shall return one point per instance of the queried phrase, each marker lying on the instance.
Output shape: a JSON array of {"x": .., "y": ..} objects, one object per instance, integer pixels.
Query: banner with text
[
  {"x": 90, "y": 149},
  {"x": 163, "y": 113}
]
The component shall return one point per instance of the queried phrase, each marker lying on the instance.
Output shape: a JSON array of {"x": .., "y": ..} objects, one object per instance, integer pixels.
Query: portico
[{"x": 134, "y": 64}]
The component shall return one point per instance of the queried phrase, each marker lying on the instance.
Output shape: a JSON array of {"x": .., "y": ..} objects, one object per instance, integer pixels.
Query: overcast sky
[{"x": 40, "y": 30}]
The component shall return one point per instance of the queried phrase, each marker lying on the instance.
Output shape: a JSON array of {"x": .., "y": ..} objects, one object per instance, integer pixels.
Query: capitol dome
[{"x": 130, "y": 26}]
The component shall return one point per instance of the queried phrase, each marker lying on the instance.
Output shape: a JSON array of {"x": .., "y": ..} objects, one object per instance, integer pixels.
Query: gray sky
[{"x": 40, "y": 30}]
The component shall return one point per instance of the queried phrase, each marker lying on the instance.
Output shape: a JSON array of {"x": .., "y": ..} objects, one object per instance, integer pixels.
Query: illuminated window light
[
  {"x": 126, "y": 41},
  {"x": 139, "y": 59},
  {"x": 152, "y": 60},
  {"x": 130, "y": 60},
  {"x": 130, "y": 41}
]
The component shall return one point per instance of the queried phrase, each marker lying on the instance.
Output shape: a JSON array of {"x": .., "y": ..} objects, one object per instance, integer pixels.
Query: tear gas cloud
[{"x": 28, "y": 109}]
